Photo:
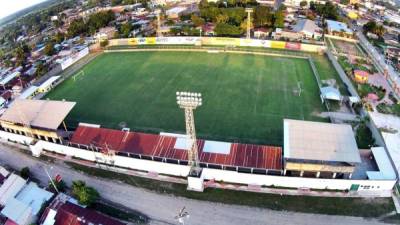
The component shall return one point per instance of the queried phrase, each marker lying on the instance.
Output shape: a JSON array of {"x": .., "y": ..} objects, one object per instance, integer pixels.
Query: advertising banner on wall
[
  {"x": 292, "y": 46},
  {"x": 278, "y": 44},
  {"x": 218, "y": 41}
]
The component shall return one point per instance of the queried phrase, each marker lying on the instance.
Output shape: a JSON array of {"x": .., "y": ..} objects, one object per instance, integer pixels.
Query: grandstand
[{"x": 166, "y": 148}]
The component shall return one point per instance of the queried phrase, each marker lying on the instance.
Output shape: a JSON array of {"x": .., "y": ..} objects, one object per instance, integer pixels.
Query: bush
[
  {"x": 103, "y": 43},
  {"x": 59, "y": 185},
  {"x": 85, "y": 195},
  {"x": 25, "y": 173}
]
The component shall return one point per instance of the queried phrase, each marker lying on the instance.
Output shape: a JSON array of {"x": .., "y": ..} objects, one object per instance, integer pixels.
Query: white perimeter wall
[
  {"x": 74, "y": 58},
  {"x": 218, "y": 175},
  {"x": 292, "y": 182}
]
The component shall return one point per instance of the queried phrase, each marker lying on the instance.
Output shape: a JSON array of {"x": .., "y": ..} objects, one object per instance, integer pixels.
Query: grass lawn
[
  {"x": 245, "y": 97},
  {"x": 332, "y": 206}
]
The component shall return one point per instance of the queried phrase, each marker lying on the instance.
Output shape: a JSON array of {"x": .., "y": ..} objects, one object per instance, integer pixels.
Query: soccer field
[{"x": 245, "y": 97}]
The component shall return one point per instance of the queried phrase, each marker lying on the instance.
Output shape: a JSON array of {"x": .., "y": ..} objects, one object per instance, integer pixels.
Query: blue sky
[{"x": 8, "y": 7}]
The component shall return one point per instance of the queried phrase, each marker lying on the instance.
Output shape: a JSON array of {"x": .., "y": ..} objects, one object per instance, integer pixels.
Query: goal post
[{"x": 79, "y": 74}]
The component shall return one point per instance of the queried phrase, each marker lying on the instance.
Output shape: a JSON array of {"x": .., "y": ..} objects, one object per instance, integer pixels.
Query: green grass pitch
[{"x": 245, "y": 97}]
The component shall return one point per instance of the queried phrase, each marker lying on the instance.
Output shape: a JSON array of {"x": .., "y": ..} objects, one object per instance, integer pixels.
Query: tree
[
  {"x": 25, "y": 173},
  {"x": 77, "y": 27},
  {"x": 263, "y": 16},
  {"x": 49, "y": 49},
  {"x": 279, "y": 19},
  {"x": 116, "y": 2},
  {"x": 40, "y": 69},
  {"x": 61, "y": 186},
  {"x": 303, "y": 4},
  {"x": 103, "y": 43},
  {"x": 222, "y": 18},
  {"x": 197, "y": 21},
  {"x": 373, "y": 27},
  {"x": 223, "y": 29},
  {"x": 344, "y": 2},
  {"x": 58, "y": 38},
  {"x": 84, "y": 194},
  {"x": 126, "y": 29},
  {"x": 21, "y": 54}
]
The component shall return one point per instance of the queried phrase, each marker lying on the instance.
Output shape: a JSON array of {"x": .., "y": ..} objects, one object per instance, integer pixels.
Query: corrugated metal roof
[
  {"x": 11, "y": 186},
  {"x": 320, "y": 141},
  {"x": 386, "y": 171},
  {"x": 33, "y": 196},
  {"x": 17, "y": 211},
  {"x": 242, "y": 155},
  {"x": 71, "y": 214},
  {"x": 38, "y": 113}
]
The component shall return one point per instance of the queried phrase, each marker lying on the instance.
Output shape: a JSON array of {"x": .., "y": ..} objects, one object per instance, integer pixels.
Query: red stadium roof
[{"x": 240, "y": 155}]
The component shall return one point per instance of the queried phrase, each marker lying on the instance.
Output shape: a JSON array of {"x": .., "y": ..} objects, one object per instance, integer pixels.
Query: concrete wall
[
  {"x": 208, "y": 174},
  {"x": 74, "y": 58},
  {"x": 293, "y": 182},
  {"x": 218, "y": 41},
  {"x": 132, "y": 163}
]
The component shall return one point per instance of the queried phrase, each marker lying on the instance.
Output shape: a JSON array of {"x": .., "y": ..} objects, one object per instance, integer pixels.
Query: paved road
[{"x": 163, "y": 208}]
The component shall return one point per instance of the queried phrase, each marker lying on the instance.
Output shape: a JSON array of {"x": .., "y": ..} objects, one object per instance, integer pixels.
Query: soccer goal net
[{"x": 80, "y": 74}]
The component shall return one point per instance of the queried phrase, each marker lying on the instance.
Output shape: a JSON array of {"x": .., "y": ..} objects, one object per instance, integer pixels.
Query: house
[
  {"x": 208, "y": 29},
  {"x": 64, "y": 210},
  {"x": 361, "y": 76},
  {"x": 261, "y": 33},
  {"x": 105, "y": 33},
  {"x": 176, "y": 12},
  {"x": 281, "y": 34},
  {"x": 337, "y": 28},
  {"x": 21, "y": 201},
  {"x": 392, "y": 53},
  {"x": 29, "y": 93},
  {"x": 308, "y": 29}
]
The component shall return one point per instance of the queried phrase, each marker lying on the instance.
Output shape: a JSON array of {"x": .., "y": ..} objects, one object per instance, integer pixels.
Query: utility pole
[
  {"x": 51, "y": 180},
  {"x": 249, "y": 11},
  {"x": 190, "y": 101},
  {"x": 158, "y": 12}
]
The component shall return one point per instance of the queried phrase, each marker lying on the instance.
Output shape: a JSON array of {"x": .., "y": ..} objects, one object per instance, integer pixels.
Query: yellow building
[
  {"x": 318, "y": 149},
  {"x": 39, "y": 119},
  {"x": 352, "y": 15},
  {"x": 361, "y": 76}
]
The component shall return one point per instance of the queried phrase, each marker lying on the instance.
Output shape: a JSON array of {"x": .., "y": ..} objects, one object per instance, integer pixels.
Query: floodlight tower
[
  {"x": 158, "y": 12},
  {"x": 190, "y": 101},
  {"x": 249, "y": 11}
]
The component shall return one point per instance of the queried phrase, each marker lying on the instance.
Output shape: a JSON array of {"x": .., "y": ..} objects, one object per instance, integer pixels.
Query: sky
[{"x": 8, "y": 7}]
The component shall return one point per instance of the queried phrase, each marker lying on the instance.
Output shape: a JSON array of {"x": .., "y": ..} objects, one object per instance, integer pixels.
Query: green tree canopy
[
  {"x": 49, "y": 49},
  {"x": 85, "y": 195}
]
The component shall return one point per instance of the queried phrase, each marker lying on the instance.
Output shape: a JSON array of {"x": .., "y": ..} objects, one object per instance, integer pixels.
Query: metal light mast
[
  {"x": 249, "y": 11},
  {"x": 158, "y": 12},
  {"x": 190, "y": 101}
]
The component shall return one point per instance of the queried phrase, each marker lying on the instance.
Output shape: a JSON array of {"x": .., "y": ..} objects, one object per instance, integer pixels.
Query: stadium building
[
  {"x": 38, "y": 119},
  {"x": 324, "y": 154},
  {"x": 319, "y": 149}
]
